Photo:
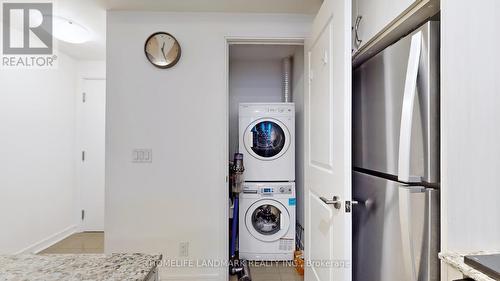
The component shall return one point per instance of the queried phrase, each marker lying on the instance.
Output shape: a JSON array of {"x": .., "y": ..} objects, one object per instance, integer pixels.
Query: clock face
[{"x": 162, "y": 50}]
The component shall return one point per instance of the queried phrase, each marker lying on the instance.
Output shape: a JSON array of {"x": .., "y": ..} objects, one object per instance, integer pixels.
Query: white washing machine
[
  {"x": 267, "y": 221},
  {"x": 267, "y": 141}
]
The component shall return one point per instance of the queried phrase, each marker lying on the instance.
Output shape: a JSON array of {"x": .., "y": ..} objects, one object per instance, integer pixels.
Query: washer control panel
[
  {"x": 272, "y": 190},
  {"x": 268, "y": 190},
  {"x": 286, "y": 190}
]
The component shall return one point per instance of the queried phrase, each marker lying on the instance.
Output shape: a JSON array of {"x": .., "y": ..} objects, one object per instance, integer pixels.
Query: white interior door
[
  {"x": 92, "y": 112},
  {"x": 328, "y": 145}
]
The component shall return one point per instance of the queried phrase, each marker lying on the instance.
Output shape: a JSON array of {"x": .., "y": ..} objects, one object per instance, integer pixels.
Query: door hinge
[
  {"x": 83, "y": 214},
  {"x": 84, "y": 97},
  {"x": 83, "y": 155}
]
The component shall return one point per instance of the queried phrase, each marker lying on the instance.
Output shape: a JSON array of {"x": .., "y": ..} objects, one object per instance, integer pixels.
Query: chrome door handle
[{"x": 335, "y": 201}]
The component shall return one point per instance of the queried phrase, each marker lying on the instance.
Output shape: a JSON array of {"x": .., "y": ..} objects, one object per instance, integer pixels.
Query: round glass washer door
[
  {"x": 266, "y": 139},
  {"x": 267, "y": 220}
]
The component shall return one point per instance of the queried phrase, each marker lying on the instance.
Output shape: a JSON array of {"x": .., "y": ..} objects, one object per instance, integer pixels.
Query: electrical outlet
[
  {"x": 142, "y": 155},
  {"x": 184, "y": 249}
]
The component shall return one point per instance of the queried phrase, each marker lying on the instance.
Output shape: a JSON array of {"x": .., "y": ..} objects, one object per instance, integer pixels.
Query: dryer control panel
[
  {"x": 267, "y": 109},
  {"x": 278, "y": 110}
]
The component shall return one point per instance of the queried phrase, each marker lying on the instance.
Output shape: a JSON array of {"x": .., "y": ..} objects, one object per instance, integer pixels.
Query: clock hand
[{"x": 163, "y": 51}]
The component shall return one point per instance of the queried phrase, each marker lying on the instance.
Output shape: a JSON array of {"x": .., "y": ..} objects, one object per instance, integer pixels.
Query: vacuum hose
[{"x": 234, "y": 228}]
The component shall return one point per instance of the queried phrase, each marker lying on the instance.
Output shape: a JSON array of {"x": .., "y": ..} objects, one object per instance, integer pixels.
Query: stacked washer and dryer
[{"x": 267, "y": 202}]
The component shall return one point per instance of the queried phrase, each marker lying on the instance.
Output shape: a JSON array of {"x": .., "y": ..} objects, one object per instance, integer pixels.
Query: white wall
[
  {"x": 470, "y": 108},
  {"x": 91, "y": 69},
  {"x": 37, "y": 118},
  {"x": 181, "y": 114}
]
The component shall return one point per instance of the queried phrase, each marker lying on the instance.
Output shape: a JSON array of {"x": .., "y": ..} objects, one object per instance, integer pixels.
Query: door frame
[
  {"x": 78, "y": 146},
  {"x": 241, "y": 40}
]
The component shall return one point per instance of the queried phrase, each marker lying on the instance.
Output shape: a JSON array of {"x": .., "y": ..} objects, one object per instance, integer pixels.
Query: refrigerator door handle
[
  {"x": 407, "y": 112},
  {"x": 405, "y": 222}
]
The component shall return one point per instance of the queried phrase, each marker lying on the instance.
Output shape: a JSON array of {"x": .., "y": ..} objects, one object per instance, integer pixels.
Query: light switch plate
[{"x": 142, "y": 155}]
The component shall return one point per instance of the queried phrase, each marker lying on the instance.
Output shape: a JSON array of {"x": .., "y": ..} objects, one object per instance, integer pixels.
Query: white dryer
[
  {"x": 267, "y": 221},
  {"x": 267, "y": 141}
]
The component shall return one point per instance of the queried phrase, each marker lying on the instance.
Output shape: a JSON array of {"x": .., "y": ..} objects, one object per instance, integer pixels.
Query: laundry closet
[{"x": 266, "y": 93}]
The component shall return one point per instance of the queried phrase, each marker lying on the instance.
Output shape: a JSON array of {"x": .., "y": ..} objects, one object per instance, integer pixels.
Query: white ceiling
[
  {"x": 92, "y": 14},
  {"x": 237, "y": 6}
]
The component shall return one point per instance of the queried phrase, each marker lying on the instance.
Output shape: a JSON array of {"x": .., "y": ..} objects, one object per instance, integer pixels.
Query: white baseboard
[{"x": 49, "y": 241}]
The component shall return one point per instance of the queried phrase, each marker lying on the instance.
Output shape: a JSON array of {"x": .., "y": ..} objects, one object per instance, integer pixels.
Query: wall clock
[{"x": 162, "y": 50}]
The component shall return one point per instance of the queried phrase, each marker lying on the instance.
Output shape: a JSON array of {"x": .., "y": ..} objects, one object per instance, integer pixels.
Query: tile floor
[
  {"x": 272, "y": 271},
  {"x": 93, "y": 243},
  {"x": 79, "y": 243}
]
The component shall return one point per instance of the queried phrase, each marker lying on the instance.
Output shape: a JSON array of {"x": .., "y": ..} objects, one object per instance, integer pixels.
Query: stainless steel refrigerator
[{"x": 396, "y": 161}]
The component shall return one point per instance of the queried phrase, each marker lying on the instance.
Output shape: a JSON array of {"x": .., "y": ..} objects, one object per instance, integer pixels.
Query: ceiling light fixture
[{"x": 70, "y": 31}]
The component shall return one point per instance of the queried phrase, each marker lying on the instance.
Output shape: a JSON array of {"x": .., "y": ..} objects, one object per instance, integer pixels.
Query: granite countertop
[
  {"x": 457, "y": 261},
  {"x": 77, "y": 267}
]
